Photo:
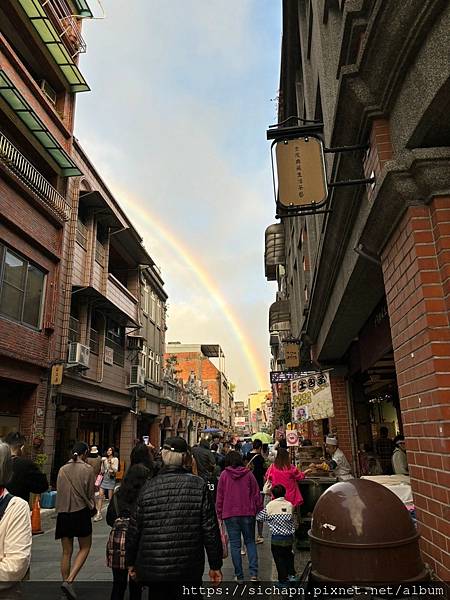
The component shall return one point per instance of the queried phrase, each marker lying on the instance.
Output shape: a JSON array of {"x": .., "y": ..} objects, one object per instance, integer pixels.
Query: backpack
[{"x": 115, "y": 547}]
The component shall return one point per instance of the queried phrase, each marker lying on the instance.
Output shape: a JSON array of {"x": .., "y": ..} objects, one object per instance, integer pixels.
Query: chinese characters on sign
[
  {"x": 292, "y": 355},
  {"x": 301, "y": 172},
  {"x": 311, "y": 398}
]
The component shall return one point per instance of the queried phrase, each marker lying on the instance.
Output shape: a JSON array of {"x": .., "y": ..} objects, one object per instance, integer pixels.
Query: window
[
  {"x": 145, "y": 298},
  {"x": 115, "y": 340},
  {"x": 157, "y": 368},
  {"x": 144, "y": 359},
  {"x": 81, "y": 235},
  {"x": 153, "y": 311},
  {"x": 21, "y": 289},
  {"x": 97, "y": 326},
  {"x": 151, "y": 365}
]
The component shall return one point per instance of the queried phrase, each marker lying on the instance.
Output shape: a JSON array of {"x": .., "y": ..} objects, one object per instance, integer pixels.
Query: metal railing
[
  {"x": 69, "y": 32},
  {"x": 16, "y": 162}
]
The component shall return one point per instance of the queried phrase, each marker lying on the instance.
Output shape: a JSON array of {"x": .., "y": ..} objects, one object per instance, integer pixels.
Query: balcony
[
  {"x": 61, "y": 17},
  {"x": 122, "y": 298},
  {"x": 18, "y": 165}
]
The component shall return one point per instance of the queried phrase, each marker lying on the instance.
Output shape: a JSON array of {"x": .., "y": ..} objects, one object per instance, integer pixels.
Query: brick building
[
  {"x": 365, "y": 288},
  {"x": 112, "y": 321},
  {"x": 39, "y": 77},
  {"x": 193, "y": 363}
]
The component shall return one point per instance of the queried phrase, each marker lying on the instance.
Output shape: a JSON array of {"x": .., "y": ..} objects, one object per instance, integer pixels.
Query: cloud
[{"x": 177, "y": 117}]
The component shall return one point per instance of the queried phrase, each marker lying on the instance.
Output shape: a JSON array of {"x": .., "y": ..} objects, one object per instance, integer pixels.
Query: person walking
[
  {"x": 27, "y": 478},
  {"x": 120, "y": 509},
  {"x": 255, "y": 460},
  {"x": 75, "y": 505},
  {"x": 279, "y": 515},
  {"x": 282, "y": 472},
  {"x": 142, "y": 455},
  {"x": 15, "y": 529},
  {"x": 238, "y": 500},
  {"x": 173, "y": 525},
  {"x": 110, "y": 466},
  {"x": 95, "y": 460}
]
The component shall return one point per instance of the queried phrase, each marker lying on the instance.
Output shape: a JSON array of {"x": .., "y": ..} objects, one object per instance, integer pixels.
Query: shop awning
[
  {"x": 274, "y": 250},
  {"x": 30, "y": 119},
  {"x": 280, "y": 316},
  {"x": 52, "y": 40},
  {"x": 83, "y": 9}
]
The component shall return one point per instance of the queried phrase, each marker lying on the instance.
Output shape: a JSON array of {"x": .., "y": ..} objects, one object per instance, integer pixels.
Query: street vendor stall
[{"x": 311, "y": 488}]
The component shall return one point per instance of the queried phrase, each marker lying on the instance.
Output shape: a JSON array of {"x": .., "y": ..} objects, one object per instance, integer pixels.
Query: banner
[
  {"x": 291, "y": 355},
  {"x": 311, "y": 398}
]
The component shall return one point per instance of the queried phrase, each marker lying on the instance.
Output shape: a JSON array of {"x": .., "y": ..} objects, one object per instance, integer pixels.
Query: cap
[
  {"x": 399, "y": 439},
  {"x": 94, "y": 450},
  {"x": 332, "y": 441},
  {"x": 176, "y": 444}
]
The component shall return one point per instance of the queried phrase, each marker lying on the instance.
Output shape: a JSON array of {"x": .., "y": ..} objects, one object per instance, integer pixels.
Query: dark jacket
[
  {"x": 205, "y": 461},
  {"x": 175, "y": 522},
  {"x": 26, "y": 479}
]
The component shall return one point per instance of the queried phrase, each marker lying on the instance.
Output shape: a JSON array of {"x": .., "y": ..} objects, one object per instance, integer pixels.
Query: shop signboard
[
  {"x": 292, "y": 438},
  {"x": 311, "y": 398},
  {"x": 301, "y": 172},
  {"x": 285, "y": 376},
  {"x": 291, "y": 355},
  {"x": 240, "y": 421},
  {"x": 109, "y": 355}
]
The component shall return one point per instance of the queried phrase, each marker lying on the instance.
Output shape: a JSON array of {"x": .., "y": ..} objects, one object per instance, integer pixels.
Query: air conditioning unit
[
  {"x": 48, "y": 91},
  {"x": 78, "y": 355},
  {"x": 137, "y": 376}
]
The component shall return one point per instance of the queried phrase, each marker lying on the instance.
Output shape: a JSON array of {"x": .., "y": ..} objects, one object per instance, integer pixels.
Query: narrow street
[{"x": 46, "y": 556}]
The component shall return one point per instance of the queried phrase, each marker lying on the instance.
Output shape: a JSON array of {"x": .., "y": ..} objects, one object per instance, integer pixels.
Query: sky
[{"x": 182, "y": 94}]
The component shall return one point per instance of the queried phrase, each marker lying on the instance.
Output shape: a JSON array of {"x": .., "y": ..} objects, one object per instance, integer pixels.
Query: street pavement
[{"x": 46, "y": 554}]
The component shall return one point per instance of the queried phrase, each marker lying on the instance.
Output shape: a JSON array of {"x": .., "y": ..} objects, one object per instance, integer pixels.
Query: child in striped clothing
[{"x": 279, "y": 516}]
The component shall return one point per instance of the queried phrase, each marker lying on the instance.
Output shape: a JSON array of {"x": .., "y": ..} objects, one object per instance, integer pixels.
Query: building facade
[
  {"x": 113, "y": 327},
  {"x": 193, "y": 363},
  {"x": 39, "y": 78},
  {"x": 258, "y": 404},
  {"x": 365, "y": 288},
  {"x": 241, "y": 418}
]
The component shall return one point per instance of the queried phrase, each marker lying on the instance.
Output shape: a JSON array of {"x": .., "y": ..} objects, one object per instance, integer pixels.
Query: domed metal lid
[{"x": 361, "y": 513}]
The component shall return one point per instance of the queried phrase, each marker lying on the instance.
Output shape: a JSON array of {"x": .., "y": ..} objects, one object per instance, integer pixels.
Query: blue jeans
[{"x": 245, "y": 526}]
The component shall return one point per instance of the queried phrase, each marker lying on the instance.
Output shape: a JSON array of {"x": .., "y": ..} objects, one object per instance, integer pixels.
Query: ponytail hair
[{"x": 79, "y": 449}]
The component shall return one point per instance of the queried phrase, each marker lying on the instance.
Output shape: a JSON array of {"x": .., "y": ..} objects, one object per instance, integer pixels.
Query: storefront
[
  {"x": 17, "y": 406},
  {"x": 80, "y": 420},
  {"x": 373, "y": 382}
]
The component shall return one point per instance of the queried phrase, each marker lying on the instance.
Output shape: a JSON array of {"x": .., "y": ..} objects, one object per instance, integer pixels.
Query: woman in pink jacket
[{"x": 287, "y": 475}]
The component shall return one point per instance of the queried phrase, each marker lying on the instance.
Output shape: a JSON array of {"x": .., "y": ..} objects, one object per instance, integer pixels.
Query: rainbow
[{"x": 204, "y": 277}]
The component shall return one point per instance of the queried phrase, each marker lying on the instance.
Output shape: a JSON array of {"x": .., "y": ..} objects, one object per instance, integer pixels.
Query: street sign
[
  {"x": 301, "y": 172},
  {"x": 57, "y": 373}
]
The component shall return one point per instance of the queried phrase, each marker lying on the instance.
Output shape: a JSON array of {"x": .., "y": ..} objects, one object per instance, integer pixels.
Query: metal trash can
[{"x": 362, "y": 533}]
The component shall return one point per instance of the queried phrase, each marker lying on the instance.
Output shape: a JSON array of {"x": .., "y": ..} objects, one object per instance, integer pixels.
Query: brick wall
[
  {"x": 340, "y": 424},
  {"x": 416, "y": 269}
]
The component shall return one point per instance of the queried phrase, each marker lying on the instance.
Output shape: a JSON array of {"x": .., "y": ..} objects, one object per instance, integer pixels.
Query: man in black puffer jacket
[{"x": 175, "y": 522}]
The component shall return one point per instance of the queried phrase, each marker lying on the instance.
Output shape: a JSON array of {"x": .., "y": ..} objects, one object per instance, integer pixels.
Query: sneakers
[
  {"x": 259, "y": 539},
  {"x": 68, "y": 591},
  {"x": 254, "y": 578},
  {"x": 294, "y": 577},
  {"x": 98, "y": 517},
  {"x": 243, "y": 552},
  {"x": 239, "y": 579}
]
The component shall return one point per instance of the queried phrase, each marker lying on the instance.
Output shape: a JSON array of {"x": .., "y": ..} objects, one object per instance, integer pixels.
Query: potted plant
[{"x": 41, "y": 460}]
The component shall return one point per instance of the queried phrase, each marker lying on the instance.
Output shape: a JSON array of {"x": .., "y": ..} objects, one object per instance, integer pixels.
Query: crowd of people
[
  {"x": 173, "y": 504},
  {"x": 385, "y": 456}
]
